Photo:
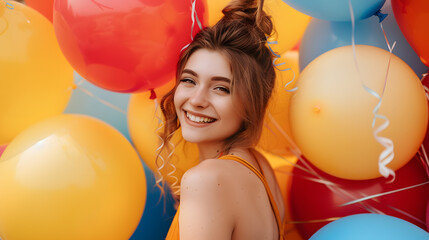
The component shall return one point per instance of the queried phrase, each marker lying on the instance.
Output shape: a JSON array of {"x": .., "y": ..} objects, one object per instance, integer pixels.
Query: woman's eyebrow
[
  {"x": 190, "y": 72},
  {"x": 222, "y": 79},
  {"x": 215, "y": 78}
]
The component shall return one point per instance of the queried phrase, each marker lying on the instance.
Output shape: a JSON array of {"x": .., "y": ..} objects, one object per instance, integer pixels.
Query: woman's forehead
[{"x": 209, "y": 63}]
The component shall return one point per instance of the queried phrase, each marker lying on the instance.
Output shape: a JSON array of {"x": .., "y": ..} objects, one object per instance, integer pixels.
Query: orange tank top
[{"x": 173, "y": 232}]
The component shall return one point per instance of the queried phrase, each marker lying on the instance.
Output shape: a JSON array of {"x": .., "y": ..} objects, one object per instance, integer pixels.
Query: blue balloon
[
  {"x": 158, "y": 213},
  {"x": 322, "y": 36},
  {"x": 111, "y": 107},
  {"x": 337, "y": 10},
  {"x": 370, "y": 226}
]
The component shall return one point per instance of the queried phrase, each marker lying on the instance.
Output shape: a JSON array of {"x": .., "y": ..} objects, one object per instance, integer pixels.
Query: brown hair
[{"x": 242, "y": 36}]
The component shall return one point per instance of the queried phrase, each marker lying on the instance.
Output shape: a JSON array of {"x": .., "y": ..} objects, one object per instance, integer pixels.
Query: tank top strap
[{"x": 262, "y": 177}]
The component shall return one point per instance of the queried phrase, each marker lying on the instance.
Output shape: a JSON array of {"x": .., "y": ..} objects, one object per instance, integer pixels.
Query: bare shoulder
[
  {"x": 205, "y": 208},
  {"x": 216, "y": 174},
  {"x": 224, "y": 183},
  {"x": 208, "y": 177}
]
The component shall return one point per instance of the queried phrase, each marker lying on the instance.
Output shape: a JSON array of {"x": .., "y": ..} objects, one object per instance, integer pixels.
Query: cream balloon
[{"x": 331, "y": 113}]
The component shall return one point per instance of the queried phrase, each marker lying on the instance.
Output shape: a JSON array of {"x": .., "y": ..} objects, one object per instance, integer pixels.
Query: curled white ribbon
[{"x": 387, "y": 154}]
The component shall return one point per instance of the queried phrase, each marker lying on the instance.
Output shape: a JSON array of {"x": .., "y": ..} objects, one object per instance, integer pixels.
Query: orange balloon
[
  {"x": 144, "y": 125},
  {"x": 45, "y": 7},
  {"x": 289, "y": 23},
  {"x": 331, "y": 113},
  {"x": 36, "y": 80},
  {"x": 276, "y": 134},
  {"x": 70, "y": 177}
]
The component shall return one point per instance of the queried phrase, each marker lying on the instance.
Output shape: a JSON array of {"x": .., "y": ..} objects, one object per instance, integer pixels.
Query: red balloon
[
  {"x": 412, "y": 17},
  {"x": 128, "y": 45},
  {"x": 45, "y": 7},
  {"x": 311, "y": 200},
  {"x": 2, "y": 148}
]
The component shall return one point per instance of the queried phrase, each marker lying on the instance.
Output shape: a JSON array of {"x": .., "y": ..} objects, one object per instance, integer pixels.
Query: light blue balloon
[
  {"x": 370, "y": 226},
  {"x": 97, "y": 105},
  {"x": 322, "y": 36},
  {"x": 336, "y": 10}
]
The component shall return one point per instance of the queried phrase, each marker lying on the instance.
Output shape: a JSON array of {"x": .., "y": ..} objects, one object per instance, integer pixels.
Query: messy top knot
[
  {"x": 251, "y": 13},
  {"x": 241, "y": 35}
]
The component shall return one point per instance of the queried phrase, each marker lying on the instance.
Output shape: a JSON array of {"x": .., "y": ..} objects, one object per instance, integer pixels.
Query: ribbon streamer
[
  {"x": 102, "y": 101},
  {"x": 383, "y": 194},
  {"x": 335, "y": 188},
  {"x": 277, "y": 56},
  {"x": 314, "y": 221},
  {"x": 387, "y": 154},
  {"x": 424, "y": 158},
  {"x": 165, "y": 161},
  {"x": 407, "y": 214},
  {"x": 194, "y": 18},
  {"x": 295, "y": 150},
  {"x": 426, "y": 92}
]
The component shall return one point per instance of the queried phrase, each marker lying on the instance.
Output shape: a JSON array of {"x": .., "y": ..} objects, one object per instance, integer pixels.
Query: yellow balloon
[
  {"x": 70, "y": 177},
  {"x": 276, "y": 135},
  {"x": 289, "y": 23},
  {"x": 331, "y": 113},
  {"x": 143, "y": 125},
  {"x": 36, "y": 80}
]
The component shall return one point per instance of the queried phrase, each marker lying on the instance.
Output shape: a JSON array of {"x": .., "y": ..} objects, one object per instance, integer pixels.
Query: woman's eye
[
  {"x": 223, "y": 89},
  {"x": 187, "y": 80}
]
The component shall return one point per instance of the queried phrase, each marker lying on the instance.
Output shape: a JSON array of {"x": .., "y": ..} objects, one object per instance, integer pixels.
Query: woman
[{"x": 225, "y": 79}]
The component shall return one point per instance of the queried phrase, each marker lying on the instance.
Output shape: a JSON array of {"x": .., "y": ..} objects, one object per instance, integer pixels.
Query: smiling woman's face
[{"x": 207, "y": 111}]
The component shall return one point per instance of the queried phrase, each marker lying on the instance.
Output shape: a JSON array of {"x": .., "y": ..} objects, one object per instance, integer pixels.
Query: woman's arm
[{"x": 206, "y": 211}]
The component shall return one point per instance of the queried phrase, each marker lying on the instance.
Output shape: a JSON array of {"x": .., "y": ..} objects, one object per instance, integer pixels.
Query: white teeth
[{"x": 199, "y": 119}]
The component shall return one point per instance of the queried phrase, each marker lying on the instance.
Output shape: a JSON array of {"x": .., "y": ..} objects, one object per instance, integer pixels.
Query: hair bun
[{"x": 250, "y": 12}]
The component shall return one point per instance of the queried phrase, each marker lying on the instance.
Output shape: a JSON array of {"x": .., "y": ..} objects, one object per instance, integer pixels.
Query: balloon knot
[
  {"x": 381, "y": 16},
  {"x": 152, "y": 94}
]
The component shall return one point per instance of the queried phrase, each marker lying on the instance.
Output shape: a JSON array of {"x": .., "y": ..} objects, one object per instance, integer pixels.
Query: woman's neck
[{"x": 210, "y": 151}]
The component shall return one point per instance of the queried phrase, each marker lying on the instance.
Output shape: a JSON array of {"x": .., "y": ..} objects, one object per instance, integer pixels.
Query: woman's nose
[{"x": 199, "y": 98}]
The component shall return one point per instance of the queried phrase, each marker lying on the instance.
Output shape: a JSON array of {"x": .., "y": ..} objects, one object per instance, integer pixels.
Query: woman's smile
[{"x": 199, "y": 119}]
